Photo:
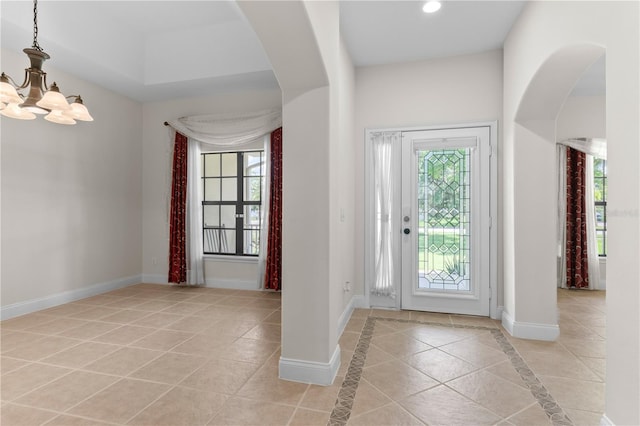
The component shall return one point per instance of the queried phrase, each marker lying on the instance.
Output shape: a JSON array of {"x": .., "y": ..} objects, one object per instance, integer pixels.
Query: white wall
[
  {"x": 460, "y": 89},
  {"x": 547, "y": 39},
  {"x": 582, "y": 117},
  {"x": 71, "y": 197},
  {"x": 156, "y": 176}
]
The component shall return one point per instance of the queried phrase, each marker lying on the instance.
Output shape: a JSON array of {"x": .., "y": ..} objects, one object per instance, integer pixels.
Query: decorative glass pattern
[{"x": 444, "y": 215}]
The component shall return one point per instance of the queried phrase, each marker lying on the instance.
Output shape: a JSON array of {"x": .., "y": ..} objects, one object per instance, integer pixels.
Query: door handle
[{"x": 407, "y": 231}]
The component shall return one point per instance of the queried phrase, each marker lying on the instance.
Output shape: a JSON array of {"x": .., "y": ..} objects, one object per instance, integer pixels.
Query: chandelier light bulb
[{"x": 58, "y": 116}]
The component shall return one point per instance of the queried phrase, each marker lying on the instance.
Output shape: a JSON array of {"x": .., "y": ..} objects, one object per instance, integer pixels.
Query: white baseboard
[
  {"x": 345, "y": 317},
  {"x": 528, "y": 330},
  {"x": 499, "y": 311},
  {"x": 33, "y": 305},
  {"x": 317, "y": 373},
  {"x": 154, "y": 279},
  {"x": 606, "y": 421}
]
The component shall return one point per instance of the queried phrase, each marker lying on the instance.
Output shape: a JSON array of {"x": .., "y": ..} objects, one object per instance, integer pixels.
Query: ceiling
[{"x": 159, "y": 50}]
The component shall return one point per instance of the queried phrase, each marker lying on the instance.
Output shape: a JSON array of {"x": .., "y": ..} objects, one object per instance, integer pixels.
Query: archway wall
[{"x": 565, "y": 37}]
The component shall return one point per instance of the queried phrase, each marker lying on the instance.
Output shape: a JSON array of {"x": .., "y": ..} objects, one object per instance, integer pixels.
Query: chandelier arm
[{"x": 44, "y": 86}]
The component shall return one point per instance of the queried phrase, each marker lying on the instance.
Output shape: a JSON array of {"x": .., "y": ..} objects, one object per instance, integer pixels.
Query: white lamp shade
[
  {"x": 14, "y": 111},
  {"x": 431, "y": 6},
  {"x": 79, "y": 112},
  {"x": 58, "y": 116},
  {"x": 8, "y": 94},
  {"x": 2, "y": 105},
  {"x": 53, "y": 100}
]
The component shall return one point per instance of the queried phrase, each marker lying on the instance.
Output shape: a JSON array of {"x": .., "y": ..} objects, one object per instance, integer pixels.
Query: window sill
[{"x": 230, "y": 259}]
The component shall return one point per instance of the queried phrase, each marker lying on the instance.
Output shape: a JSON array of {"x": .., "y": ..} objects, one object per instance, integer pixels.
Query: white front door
[{"x": 446, "y": 206}]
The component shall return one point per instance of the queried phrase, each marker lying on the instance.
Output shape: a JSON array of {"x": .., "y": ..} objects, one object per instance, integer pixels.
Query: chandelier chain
[{"x": 35, "y": 26}]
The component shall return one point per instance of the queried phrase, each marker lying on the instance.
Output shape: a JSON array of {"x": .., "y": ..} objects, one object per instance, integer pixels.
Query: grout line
[{"x": 346, "y": 396}]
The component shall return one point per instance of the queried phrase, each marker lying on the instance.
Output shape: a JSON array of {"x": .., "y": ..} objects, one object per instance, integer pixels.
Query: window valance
[{"x": 229, "y": 129}]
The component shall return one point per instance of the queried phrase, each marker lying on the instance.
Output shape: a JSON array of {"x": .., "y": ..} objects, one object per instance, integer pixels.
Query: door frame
[{"x": 388, "y": 303}]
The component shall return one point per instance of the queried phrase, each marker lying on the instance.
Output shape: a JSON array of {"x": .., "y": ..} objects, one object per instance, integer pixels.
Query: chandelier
[{"x": 41, "y": 99}]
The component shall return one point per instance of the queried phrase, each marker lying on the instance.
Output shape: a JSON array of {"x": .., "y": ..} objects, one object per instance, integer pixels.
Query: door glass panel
[{"x": 444, "y": 215}]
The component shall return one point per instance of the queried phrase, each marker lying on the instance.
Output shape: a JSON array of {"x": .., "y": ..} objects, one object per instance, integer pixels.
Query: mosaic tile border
[{"x": 346, "y": 396}]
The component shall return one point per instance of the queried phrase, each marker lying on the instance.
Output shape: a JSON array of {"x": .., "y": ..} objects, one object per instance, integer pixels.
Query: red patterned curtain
[
  {"x": 576, "y": 247},
  {"x": 177, "y": 220},
  {"x": 273, "y": 270}
]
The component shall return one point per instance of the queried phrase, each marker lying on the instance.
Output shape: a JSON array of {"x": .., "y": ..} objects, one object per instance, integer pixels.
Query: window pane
[
  {"x": 230, "y": 164},
  {"x": 229, "y": 189},
  {"x": 211, "y": 165},
  {"x": 211, "y": 216},
  {"x": 252, "y": 164},
  {"x": 228, "y": 241},
  {"x": 211, "y": 189},
  {"x": 251, "y": 217},
  {"x": 600, "y": 217},
  {"x": 251, "y": 241},
  {"x": 228, "y": 216},
  {"x": 252, "y": 188}
]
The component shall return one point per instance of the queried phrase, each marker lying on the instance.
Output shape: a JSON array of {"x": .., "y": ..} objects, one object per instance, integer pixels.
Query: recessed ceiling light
[{"x": 431, "y": 6}]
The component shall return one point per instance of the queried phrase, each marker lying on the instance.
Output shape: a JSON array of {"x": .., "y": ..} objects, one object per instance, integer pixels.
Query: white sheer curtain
[
  {"x": 593, "y": 148},
  {"x": 195, "y": 267},
  {"x": 385, "y": 198},
  {"x": 220, "y": 131},
  {"x": 264, "y": 218}
]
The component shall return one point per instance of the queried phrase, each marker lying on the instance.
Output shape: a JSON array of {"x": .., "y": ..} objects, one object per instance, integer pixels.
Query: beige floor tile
[
  {"x": 162, "y": 340},
  {"x": 8, "y": 365},
  {"x": 128, "y": 302},
  {"x": 506, "y": 370},
  {"x": 474, "y": 352},
  {"x": 184, "y": 308},
  {"x": 157, "y": 319},
  {"x": 345, "y": 360},
  {"x": 584, "y": 418},
  {"x": 169, "y": 368},
  {"x": 27, "y": 378},
  {"x": 534, "y": 415},
  {"x": 67, "y": 309},
  {"x": 123, "y": 361},
  {"x": 95, "y": 313},
  {"x": 304, "y": 417},
  {"x": 67, "y": 391},
  {"x": 228, "y": 327},
  {"x": 390, "y": 414},
  {"x": 266, "y": 386},
  {"x": 204, "y": 345},
  {"x": 251, "y": 314},
  {"x": 12, "y": 340},
  {"x": 376, "y": 355},
  {"x": 492, "y": 392},
  {"x": 443, "y": 406},
  {"x": 384, "y": 313},
  {"x": 397, "y": 379},
  {"x": 431, "y": 317},
  {"x": 268, "y": 332},
  {"x": 474, "y": 321},
  {"x": 221, "y": 376},
  {"x": 355, "y": 324},
  {"x": 349, "y": 340},
  {"x": 439, "y": 336},
  {"x": 191, "y": 324},
  {"x": 368, "y": 398},
  {"x": 551, "y": 365},
  {"x": 25, "y": 322},
  {"x": 322, "y": 398},
  {"x": 399, "y": 344},
  {"x": 16, "y": 415},
  {"x": 65, "y": 420},
  {"x": 42, "y": 348},
  {"x": 155, "y": 305},
  {"x": 181, "y": 407},
  {"x": 80, "y": 355},
  {"x": 56, "y": 326},
  {"x": 360, "y": 313},
  {"x": 250, "y": 350},
  {"x": 440, "y": 365},
  {"x": 240, "y": 411},
  {"x": 588, "y": 348},
  {"x": 125, "y": 316},
  {"x": 597, "y": 365},
  {"x": 124, "y": 335},
  {"x": 274, "y": 318},
  {"x": 576, "y": 394},
  {"x": 89, "y": 330},
  {"x": 120, "y": 401}
]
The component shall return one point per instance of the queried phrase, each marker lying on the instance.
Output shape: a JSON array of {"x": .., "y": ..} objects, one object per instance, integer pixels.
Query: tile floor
[{"x": 160, "y": 355}]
